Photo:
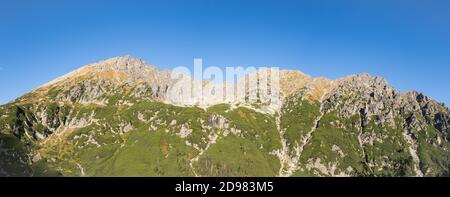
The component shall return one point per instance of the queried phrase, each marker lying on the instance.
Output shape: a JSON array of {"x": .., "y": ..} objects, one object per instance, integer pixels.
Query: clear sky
[{"x": 407, "y": 42}]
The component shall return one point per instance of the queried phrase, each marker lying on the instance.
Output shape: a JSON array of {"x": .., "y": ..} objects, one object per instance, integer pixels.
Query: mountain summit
[{"x": 118, "y": 117}]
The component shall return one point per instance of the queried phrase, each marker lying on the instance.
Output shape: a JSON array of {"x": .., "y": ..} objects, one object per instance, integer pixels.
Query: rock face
[{"x": 123, "y": 117}]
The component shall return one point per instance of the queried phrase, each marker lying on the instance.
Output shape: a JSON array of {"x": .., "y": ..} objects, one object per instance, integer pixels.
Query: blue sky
[{"x": 407, "y": 42}]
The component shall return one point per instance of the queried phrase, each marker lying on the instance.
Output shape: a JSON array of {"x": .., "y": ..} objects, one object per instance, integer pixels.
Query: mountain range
[{"x": 117, "y": 117}]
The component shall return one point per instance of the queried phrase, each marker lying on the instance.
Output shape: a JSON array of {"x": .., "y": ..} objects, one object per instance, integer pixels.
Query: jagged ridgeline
[{"x": 116, "y": 118}]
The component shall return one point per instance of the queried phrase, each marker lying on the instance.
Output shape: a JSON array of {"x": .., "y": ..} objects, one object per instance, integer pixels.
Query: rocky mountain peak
[
  {"x": 416, "y": 101},
  {"x": 362, "y": 95},
  {"x": 365, "y": 85},
  {"x": 365, "y": 79},
  {"x": 291, "y": 81},
  {"x": 122, "y": 63},
  {"x": 122, "y": 68}
]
